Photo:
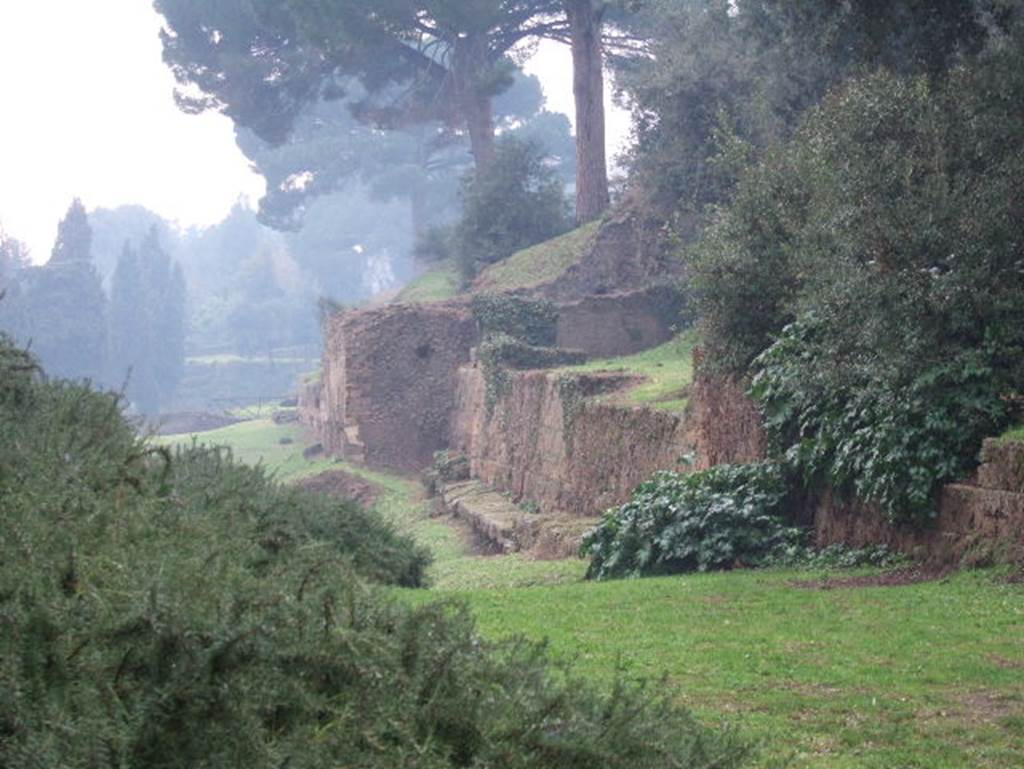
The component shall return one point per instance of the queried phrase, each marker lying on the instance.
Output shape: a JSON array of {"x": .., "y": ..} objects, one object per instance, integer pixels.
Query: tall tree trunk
[
  {"x": 588, "y": 88},
  {"x": 470, "y": 60}
]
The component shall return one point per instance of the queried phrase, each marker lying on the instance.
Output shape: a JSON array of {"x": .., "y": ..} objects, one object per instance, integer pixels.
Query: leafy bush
[
  {"x": 451, "y": 466},
  {"x": 836, "y": 556},
  {"x": 516, "y": 202},
  {"x": 719, "y": 518},
  {"x": 892, "y": 442},
  {"x": 875, "y": 265},
  {"x": 180, "y": 611}
]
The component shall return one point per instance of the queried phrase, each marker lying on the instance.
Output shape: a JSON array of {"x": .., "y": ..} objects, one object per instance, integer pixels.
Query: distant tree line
[{"x": 134, "y": 339}]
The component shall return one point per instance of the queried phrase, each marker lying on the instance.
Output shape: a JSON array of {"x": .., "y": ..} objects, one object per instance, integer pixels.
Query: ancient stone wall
[
  {"x": 978, "y": 520},
  {"x": 389, "y": 381},
  {"x": 546, "y": 442},
  {"x": 630, "y": 250},
  {"x": 619, "y": 324},
  {"x": 725, "y": 423},
  {"x": 974, "y": 526}
]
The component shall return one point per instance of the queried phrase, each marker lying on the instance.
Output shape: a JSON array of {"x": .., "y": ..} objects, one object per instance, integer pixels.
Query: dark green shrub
[
  {"x": 282, "y": 520},
  {"x": 516, "y": 202},
  {"x": 889, "y": 441},
  {"x": 726, "y": 516},
  {"x": 451, "y": 466},
  {"x": 172, "y": 612},
  {"x": 874, "y": 265},
  {"x": 836, "y": 556}
]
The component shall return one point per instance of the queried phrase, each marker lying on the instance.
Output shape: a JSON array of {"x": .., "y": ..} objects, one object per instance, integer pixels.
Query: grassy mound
[
  {"x": 539, "y": 264},
  {"x": 524, "y": 269},
  {"x": 435, "y": 285}
]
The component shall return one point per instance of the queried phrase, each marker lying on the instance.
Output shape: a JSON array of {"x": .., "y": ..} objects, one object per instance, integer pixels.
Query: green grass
[
  {"x": 539, "y": 264},
  {"x": 435, "y": 285},
  {"x": 667, "y": 372},
  {"x": 262, "y": 410},
  {"x": 524, "y": 269},
  {"x": 929, "y": 676},
  {"x": 1013, "y": 434},
  {"x": 259, "y": 442}
]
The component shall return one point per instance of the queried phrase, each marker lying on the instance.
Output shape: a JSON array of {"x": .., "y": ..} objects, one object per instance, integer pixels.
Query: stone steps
[{"x": 506, "y": 528}]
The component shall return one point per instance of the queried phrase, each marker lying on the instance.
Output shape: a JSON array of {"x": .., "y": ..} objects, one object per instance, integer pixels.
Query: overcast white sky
[{"x": 87, "y": 111}]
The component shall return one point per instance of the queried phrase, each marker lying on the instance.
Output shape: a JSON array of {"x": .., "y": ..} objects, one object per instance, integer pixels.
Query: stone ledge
[{"x": 503, "y": 526}]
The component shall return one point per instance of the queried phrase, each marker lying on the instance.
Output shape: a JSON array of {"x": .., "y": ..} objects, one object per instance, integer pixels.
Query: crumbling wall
[
  {"x": 725, "y": 423},
  {"x": 544, "y": 441},
  {"x": 619, "y": 324},
  {"x": 977, "y": 520},
  {"x": 390, "y": 381},
  {"x": 389, "y": 374},
  {"x": 975, "y": 526},
  {"x": 629, "y": 251}
]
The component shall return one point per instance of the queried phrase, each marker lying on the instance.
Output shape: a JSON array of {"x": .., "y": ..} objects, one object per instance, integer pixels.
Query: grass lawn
[
  {"x": 261, "y": 442},
  {"x": 929, "y": 675},
  {"x": 435, "y": 285},
  {"x": 668, "y": 371}
]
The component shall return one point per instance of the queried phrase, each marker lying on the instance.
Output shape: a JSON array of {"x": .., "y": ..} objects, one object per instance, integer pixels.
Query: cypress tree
[{"x": 65, "y": 303}]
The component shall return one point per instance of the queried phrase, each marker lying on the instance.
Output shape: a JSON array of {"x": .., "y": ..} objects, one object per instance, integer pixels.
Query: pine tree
[{"x": 74, "y": 237}]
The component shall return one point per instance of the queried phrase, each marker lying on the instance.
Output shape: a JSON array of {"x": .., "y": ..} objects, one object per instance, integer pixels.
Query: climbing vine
[{"x": 531, "y": 321}]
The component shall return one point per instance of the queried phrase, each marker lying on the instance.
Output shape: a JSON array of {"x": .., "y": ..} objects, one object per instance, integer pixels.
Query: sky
[{"x": 88, "y": 111}]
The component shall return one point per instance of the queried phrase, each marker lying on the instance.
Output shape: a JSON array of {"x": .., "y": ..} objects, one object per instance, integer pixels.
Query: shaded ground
[
  {"x": 338, "y": 483},
  {"x": 895, "y": 578}
]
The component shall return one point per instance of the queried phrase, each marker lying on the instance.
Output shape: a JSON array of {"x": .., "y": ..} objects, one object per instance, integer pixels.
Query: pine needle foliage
[{"x": 171, "y": 610}]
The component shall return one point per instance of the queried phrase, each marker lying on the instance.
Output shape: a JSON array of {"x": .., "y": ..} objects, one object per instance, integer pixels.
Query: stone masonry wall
[
  {"x": 388, "y": 384},
  {"x": 978, "y": 520},
  {"x": 591, "y": 460},
  {"x": 547, "y": 444},
  {"x": 313, "y": 411},
  {"x": 389, "y": 381},
  {"x": 618, "y": 324}
]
